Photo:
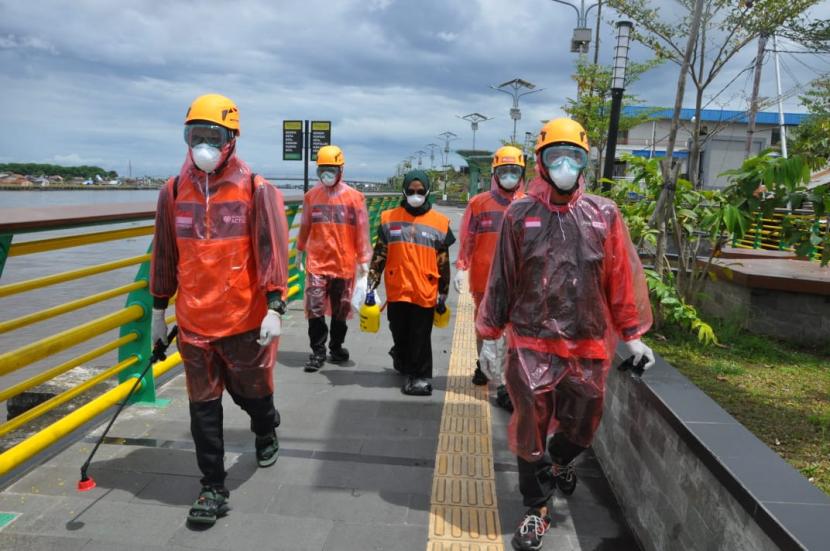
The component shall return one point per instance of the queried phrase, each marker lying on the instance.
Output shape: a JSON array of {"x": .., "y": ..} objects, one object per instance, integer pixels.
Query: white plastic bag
[{"x": 359, "y": 293}]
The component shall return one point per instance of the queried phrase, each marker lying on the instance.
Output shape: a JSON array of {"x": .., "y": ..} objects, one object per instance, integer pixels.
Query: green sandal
[{"x": 211, "y": 505}]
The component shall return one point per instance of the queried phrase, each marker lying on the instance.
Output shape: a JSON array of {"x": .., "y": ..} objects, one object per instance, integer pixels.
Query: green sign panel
[
  {"x": 292, "y": 140},
  {"x": 320, "y": 136}
]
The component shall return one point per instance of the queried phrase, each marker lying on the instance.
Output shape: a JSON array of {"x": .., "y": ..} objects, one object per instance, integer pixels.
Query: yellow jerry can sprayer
[
  {"x": 441, "y": 316},
  {"x": 370, "y": 314}
]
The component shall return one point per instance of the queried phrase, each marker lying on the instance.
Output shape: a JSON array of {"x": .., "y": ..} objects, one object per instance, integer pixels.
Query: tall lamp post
[
  {"x": 581, "y": 39},
  {"x": 447, "y": 137},
  {"x": 420, "y": 153},
  {"x": 474, "y": 119},
  {"x": 624, "y": 29},
  {"x": 432, "y": 147},
  {"x": 515, "y": 85}
]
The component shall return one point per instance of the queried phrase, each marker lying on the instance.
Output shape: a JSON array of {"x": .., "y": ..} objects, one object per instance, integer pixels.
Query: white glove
[
  {"x": 298, "y": 259},
  {"x": 489, "y": 359},
  {"x": 359, "y": 293},
  {"x": 459, "y": 279},
  {"x": 362, "y": 269},
  {"x": 270, "y": 328},
  {"x": 638, "y": 349},
  {"x": 158, "y": 328},
  {"x": 501, "y": 355}
]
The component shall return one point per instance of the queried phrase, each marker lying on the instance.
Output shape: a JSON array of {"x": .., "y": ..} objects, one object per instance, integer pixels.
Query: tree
[
  {"x": 725, "y": 28},
  {"x": 811, "y": 139},
  {"x": 592, "y": 106}
]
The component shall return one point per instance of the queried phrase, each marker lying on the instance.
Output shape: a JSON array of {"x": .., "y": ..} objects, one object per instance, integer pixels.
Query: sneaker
[
  {"x": 339, "y": 354},
  {"x": 503, "y": 398},
  {"x": 267, "y": 449},
  {"x": 534, "y": 525},
  {"x": 565, "y": 477},
  {"x": 314, "y": 363},
  {"x": 417, "y": 386},
  {"x": 479, "y": 378}
]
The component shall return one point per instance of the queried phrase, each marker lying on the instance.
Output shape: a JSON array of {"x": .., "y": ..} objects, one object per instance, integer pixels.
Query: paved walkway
[{"x": 362, "y": 467}]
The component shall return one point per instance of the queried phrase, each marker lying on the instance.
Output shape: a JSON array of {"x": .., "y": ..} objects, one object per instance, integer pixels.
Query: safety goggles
[
  {"x": 205, "y": 133},
  {"x": 414, "y": 191},
  {"x": 557, "y": 154},
  {"x": 509, "y": 170},
  {"x": 333, "y": 170}
]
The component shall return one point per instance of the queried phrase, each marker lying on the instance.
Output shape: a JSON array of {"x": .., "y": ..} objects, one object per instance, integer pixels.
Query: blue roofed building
[{"x": 723, "y": 133}]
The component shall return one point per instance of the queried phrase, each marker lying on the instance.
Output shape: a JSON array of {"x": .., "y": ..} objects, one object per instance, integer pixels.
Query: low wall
[
  {"x": 689, "y": 476},
  {"x": 796, "y": 317}
]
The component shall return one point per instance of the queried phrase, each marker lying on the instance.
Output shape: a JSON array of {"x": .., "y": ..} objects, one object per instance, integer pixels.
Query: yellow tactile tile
[{"x": 464, "y": 512}]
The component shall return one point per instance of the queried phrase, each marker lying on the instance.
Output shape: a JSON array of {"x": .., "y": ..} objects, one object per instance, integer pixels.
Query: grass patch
[{"x": 777, "y": 390}]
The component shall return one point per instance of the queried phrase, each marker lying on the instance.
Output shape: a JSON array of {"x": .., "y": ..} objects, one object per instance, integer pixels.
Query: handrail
[
  {"x": 65, "y": 396},
  {"x": 48, "y": 313},
  {"x": 66, "y": 366},
  {"x": 32, "y": 352},
  {"x": 17, "y": 455},
  {"x": 55, "y": 243},
  {"x": 46, "y": 281}
]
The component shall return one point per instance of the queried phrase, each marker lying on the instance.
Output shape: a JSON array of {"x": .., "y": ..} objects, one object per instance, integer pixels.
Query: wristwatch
[{"x": 277, "y": 305}]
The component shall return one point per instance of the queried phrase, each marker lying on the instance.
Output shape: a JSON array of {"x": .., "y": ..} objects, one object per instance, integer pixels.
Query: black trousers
[
  {"x": 206, "y": 428},
  {"x": 536, "y": 479},
  {"x": 318, "y": 333},
  {"x": 411, "y": 327}
]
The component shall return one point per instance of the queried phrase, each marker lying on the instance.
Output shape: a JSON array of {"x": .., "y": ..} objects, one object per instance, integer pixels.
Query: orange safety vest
[
  {"x": 218, "y": 292},
  {"x": 329, "y": 232},
  {"x": 413, "y": 243},
  {"x": 486, "y": 213}
]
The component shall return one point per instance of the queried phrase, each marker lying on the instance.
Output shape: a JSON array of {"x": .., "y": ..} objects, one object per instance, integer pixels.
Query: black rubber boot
[
  {"x": 396, "y": 362},
  {"x": 314, "y": 363},
  {"x": 503, "y": 398},
  {"x": 479, "y": 378},
  {"x": 339, "y": 355},
  {"x": 417, "y": 386}
]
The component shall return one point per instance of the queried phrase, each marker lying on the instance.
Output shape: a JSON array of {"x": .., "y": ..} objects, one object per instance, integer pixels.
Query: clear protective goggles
[
  {"x": 509, "y": 170},
  {"x": 555, "y": 155},
  {"x": 205, "y": 133}
]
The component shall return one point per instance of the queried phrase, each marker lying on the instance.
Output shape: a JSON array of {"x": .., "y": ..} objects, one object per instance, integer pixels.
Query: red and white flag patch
[{"x": 533, "y": 222}]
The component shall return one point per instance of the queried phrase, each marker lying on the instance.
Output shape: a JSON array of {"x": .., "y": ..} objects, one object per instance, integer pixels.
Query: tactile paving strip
[{"x": 464, "y": 513}]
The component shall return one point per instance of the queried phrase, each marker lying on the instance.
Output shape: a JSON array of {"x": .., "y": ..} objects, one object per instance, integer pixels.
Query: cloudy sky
[{"x": 107, "y": 83}]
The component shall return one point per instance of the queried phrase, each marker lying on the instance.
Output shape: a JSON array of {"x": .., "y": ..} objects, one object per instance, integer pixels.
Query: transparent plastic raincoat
[
  {"x": 565, "y": 285},
  {"x": 334, "y": 234},
  {"x": 221, "y": 242},
  {"x": 480, "y": 228}
]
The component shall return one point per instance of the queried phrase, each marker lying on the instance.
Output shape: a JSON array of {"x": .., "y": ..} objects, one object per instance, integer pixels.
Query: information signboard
[
  {"x": 292, "y": 140},
  {"x": 320, "y": 136}
]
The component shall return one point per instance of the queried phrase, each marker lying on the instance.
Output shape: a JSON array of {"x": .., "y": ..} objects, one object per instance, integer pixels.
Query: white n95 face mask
[
  {"x": 509, "y": 181},
  {"x": 328, "y": 178},
  {"x": 564, "y": 174},
  {"x": 416, "y": 200},
  {"x": 205, "y": 157}
]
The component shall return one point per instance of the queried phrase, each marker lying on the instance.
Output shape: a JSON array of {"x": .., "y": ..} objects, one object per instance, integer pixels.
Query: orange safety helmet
[
  {"x": 562, "y": 130},
  {"x": 508, "y": 155},
  {"x": 214, "y": 108},
  {"x": 330, "y": 155}
]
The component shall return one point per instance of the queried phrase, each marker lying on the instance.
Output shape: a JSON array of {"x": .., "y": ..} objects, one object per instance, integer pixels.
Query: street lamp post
[
  {"x": 474, "y": 119},
  {"x": 581, "y": 39},
  {"x": 516, "y": 84},
  {"x": 432, "y": 147},
  {"x": 420, "y": 153},
  {"x": 624, "y": 29},
  {"x": 447, "y": 137}
]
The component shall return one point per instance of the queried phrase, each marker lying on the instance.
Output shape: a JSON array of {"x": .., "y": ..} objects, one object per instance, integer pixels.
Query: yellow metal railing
[{"x": 133, "y": 320}]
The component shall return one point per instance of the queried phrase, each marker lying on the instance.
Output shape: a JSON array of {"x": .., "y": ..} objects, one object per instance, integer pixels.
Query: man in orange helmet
[
  {"x": 479, "y": 235},
  {"x": 566, "y": 286},
  {"x": 221, "y": 245},
  {"x": 334, "y": 243}
]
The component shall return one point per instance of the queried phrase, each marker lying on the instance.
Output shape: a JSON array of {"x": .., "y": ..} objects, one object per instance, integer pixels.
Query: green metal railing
[{"x": 132, "y": 321}]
